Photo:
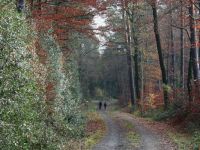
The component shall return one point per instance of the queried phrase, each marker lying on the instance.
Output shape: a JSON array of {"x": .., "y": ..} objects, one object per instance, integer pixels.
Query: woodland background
[{"x": 51, "y": 65}]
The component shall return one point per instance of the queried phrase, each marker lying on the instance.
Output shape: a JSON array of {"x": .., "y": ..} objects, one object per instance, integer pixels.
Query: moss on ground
[
  {"x": 183, "y": 141},
  {"x": 95, "y": 130},
  {"x": 132, "y": 136}
]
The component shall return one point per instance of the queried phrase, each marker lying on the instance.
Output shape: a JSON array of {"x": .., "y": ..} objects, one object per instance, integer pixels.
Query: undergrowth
[
  {"x": 177, "y": 115},
  {"x": 95, "y": 130}
]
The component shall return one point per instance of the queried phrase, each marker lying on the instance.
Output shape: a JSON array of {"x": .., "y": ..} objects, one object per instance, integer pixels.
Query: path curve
[
  {"x": 114, "y": 139},
  {"x": 150, "y": 140}
]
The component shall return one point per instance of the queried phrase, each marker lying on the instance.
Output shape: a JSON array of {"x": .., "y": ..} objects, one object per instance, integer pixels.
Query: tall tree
[
  {"x": 159, "y": 49},
  {"x": 182, "y": 46},
  {"x": 193, "y": 49},
  {"x": 193, "y": 69},
  {"x": 134, "y": 18},
  {"x": 128, "y": 49},
  {"x": 172, "y": 48}
]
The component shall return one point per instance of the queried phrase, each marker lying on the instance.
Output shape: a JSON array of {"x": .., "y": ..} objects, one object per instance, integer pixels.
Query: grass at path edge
[{"x": 95, "y": 130}]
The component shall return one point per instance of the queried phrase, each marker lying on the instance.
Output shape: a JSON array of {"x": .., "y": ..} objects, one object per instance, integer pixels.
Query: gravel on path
[
  {"x": 115, "y": 138},
  {"x": 150, "y": 139}
]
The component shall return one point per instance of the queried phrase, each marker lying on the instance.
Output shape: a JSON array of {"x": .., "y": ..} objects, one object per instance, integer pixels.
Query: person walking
[
  {"x": 105, "y": 105},
  {"x": 100, "y": 105}
]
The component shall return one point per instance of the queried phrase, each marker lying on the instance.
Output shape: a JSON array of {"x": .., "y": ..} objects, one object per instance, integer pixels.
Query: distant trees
[{"x": 174, "y": 25}]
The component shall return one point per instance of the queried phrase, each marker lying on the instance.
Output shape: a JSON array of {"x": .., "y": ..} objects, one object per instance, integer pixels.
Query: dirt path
[
  {"x": 116, "y": 140},
  {"x": 151, "y": 137}
]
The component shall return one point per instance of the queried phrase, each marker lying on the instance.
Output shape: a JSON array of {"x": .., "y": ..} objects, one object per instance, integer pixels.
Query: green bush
[
  {"x": 24, "y": 123},
  {"x": 163, "y": 115},
  {"x": 67, "y": 116},
  {"x": 176, "y": 108},
  {"x": 21, "y": 106}
]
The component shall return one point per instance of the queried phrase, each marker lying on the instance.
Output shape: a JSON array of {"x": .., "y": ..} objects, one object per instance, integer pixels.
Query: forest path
[{"x": 115, "y": 138}]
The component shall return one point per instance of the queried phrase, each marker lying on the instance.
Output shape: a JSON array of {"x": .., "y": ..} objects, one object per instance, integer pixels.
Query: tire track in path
[{"x": 115, "y": 138}]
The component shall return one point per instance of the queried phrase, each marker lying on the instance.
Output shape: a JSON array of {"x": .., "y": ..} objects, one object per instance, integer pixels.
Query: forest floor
[{"x": 127, "y": 132}]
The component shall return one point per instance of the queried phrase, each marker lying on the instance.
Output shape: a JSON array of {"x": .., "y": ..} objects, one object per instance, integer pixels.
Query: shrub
[
  {"x": 24, "y": 119},
  {"x": 21, "y": 107}
]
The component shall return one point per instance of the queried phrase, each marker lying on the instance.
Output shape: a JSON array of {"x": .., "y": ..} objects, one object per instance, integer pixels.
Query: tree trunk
[
  {"x": 172, "y": 51},
  {"x": 189, "y": 83},
  {"x": 193, "y": 62},
  {"x": 136, "y": 60},
  {"x": 193, "y": 49},
  {"x": 182, "y": 48},
  {"x": 159, "y": 49},
  {"x": 128, "y": 49},
  {"x": 136, "y": 56}
]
